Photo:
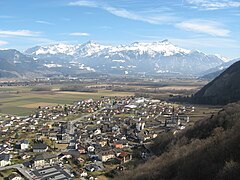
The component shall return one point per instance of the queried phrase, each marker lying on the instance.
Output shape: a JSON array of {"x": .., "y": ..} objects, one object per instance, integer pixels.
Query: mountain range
[
  {"x": 15, "y": 64},
  {"x": 156, "y": 58}
]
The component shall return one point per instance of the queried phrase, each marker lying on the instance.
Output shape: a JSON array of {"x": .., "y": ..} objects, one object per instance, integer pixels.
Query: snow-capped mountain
[
  {"x": 84, "y": 50},
  {"x": 53, "y": 49},
  {"x": 164, "y": 47},
  {"x": 92, "y": 48},
  {"x": 145, "y": 58}
]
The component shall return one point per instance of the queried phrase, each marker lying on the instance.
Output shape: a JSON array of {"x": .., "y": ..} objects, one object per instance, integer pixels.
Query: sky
[{"x": 211, "y": 26}]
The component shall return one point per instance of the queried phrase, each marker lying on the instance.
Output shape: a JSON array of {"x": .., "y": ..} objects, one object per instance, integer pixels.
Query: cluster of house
[
  {"x": 10, "y": 125},
  {"x": 111, "y": 134},
  {"x": 23, "y": 147},
  {"x": 60, "y": 111},
  {"x": 108, "y": 132}
]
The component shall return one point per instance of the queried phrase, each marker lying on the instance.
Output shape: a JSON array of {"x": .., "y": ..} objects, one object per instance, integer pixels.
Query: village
[{"x": 87, "y": 139}]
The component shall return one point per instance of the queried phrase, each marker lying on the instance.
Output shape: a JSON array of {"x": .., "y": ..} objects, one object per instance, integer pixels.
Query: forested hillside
[
  {"x": 208, "y": 150},
  {"x": 222, "y": 90}
]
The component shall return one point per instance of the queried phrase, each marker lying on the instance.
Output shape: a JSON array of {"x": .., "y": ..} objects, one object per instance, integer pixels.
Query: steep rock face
[
  {"x": 148, "y": 58},
  {"x": 223, "y": 89}
]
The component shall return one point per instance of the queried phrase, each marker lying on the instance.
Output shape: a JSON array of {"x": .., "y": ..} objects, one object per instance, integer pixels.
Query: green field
[{"x": 22, "y": 101}]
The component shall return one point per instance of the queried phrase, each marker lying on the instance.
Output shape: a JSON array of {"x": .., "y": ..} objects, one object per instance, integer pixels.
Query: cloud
[
  {"x": 19, "y": 33},
  {"x": 214, "y": 4},
  {"x": 79, "y": 34},
  {"x": 204, "y": 26},
  {"x": 3, "y": 43},
  {"x": 122, "y": 13},
  {"x": 44, "y": 22},
  {"x": 83, "y": 3},
  {"x": 152, "y": 18}
]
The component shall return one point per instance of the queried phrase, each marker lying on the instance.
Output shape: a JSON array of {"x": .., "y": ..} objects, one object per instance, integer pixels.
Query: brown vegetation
[{"x": 208, "y": 150}]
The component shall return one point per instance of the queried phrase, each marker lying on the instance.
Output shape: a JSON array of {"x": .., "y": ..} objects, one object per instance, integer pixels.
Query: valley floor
[{"x": 20, "y": 100}]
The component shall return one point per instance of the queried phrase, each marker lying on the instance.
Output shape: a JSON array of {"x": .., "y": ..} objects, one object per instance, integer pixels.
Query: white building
[
  {"x": 4, "y": 159},
  {"x": 23, "y": 144},
  {"x": 106, "y": 155}
]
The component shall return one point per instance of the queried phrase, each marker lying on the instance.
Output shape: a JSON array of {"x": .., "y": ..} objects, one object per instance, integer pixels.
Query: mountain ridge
[
  {"x": 160, "y": 57},
  {"x": 223, "y": 89}
]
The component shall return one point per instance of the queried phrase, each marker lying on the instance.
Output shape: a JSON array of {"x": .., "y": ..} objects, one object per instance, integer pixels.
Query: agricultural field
[
  {"x": 203, "y": 111},
  {"x": 22, "y": 101}
]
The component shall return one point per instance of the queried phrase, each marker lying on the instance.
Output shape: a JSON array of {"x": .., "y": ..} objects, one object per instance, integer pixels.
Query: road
[
  {"x": 20, "y": 168},
  {"x": 72, "y": 127}
]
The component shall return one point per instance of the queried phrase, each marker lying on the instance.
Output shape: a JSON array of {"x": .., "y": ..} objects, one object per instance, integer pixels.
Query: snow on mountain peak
[
  {"x": 86, "y": 49},
  {"x": 225, "y": 59},
  {"x": 90, "y": 44},
  {"x": 163, "y": 47},
  {"x": 60, "y": 48},
  {"x": 91, "y": 48}
]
